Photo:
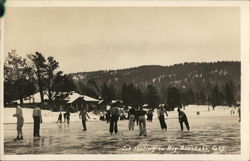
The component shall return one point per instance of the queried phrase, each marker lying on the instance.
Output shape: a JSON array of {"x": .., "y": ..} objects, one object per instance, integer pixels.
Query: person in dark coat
[
  {"x": 161, "y": 117},
  {"x": 65, "y": 116},
  {"x": 183, "y": 119},
  {"x": 68, "y": 116},
  {"x": 59, "y": 118},
  {"x": 136, "y": 116},
  {"x": 37, "y": 116},
  {"x": 114, "y": 115},
  {"x": 108, "y": 116},
  {"x": 150, "y": 115}
]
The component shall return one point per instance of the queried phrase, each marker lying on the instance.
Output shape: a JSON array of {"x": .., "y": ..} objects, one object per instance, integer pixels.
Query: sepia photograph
[{"x": 161, "y": 80}]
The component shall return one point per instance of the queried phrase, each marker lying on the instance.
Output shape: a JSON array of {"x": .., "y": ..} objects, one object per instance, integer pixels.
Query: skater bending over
[
  {"x": 183, "y": 119},
  {"x": 20, "y": 120},
  {"x": 161, "y": 117}
]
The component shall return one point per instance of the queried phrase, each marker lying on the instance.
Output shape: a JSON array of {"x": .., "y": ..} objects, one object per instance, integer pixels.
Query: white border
[
  {"x": 1, "y": 85},
  {"x": 244, "y": 5}
]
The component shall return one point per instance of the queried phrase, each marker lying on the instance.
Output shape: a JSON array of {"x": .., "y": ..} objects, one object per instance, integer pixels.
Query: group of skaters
[
  {"x": 138, "y": 115},
  {"x": 135, "y": 115},
  {"x": 66, "y": 117},
  {"x": 37, "y": 117}
]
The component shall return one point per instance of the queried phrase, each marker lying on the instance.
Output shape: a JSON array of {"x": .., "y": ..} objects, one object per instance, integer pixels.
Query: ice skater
[
  {"x": 64, "y": 117},
  {"x": 114, "y": 112},
  {"x": 136, "y": 116},
  {"x": 183, "y": 119},
  {"x": 83, "y": 115},
  {"x": 142, "y": 122},
  {"x": 59, "y": 118},
  {"x": 239, "y": 113},
  {"x": 107, "y": 116},
  {"x": 131, "y": 114},
  {"x": 161, "y": 117},
  {"x": 37, "y": 116},
  {"x": 150, "y": 115},
  {"x": 20, "y": 120},
  {"x": 68, "y": 117}
]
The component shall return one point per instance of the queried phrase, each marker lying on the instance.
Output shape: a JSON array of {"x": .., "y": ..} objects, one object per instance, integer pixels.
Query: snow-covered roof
[
  {"x": 145, "y": 105},
  {"x": 35, "y": 98},
  {"x": 100, "y": 102},
  {"x": 73, "y": 96},
  {"x": 115, "y": 101}
]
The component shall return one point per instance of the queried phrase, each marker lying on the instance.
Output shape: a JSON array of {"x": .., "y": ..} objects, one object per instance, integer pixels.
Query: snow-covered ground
[
  {"x": 213, "y": 132},
  {"x": 49, "y": 116}
]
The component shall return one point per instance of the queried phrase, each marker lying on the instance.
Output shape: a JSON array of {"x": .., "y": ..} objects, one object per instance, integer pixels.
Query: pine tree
[
  {"x": 229, "y": 94},
  {"x": 215, "y": 96},
  {"x": 152, "y": 97},
  {"x": 173, "y": 98}
]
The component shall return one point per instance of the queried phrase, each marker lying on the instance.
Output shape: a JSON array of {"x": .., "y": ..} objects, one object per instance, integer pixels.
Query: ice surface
[{"x": 213, "y": 132}]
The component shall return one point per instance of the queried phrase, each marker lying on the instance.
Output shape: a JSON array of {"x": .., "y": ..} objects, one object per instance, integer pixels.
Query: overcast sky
[{"x": 99, "y": 38}]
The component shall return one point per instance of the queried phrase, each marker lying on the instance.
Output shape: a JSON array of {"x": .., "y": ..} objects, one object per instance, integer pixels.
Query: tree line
[
  {"x": 36, "y": 73},
  {"x": 26, "y": 76},
  {"x": 134, "y": 96}
]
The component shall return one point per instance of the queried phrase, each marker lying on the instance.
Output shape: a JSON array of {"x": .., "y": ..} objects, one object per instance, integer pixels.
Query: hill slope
[{"x": 198, "y": 76}]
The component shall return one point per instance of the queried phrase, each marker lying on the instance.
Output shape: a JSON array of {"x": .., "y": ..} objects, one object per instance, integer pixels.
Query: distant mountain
[{"x": 198, "y": 76}]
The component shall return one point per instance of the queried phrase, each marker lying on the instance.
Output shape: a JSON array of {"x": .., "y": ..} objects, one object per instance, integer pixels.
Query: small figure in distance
[
  {"x": 150, "y": 115},
  {"x": 107, "y": 116},
  {"x": 68, "y": 116},
  {"x": 64, "y": 117},
  {"x": 183, "y": 119},
  {"x": 239, "y": 113},
  {"x": 59, "y": 117}
]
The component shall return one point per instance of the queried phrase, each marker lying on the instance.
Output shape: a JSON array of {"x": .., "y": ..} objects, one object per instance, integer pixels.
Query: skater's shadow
[
  {"x": 183, "y": 135},
  {"x": 38, "y": 142}
]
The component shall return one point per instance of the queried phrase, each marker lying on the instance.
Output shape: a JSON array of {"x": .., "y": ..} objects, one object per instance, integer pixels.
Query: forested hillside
[{"x": 196, "y": 80}]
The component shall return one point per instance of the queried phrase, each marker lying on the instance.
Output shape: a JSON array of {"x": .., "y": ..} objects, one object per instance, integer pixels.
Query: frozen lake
[{"x": 208, "y": 135}]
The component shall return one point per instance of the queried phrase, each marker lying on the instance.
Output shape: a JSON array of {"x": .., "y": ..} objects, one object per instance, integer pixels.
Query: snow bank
[
  {"x": 47, "y": 116},
  {"x": 191, "y": 111}
]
